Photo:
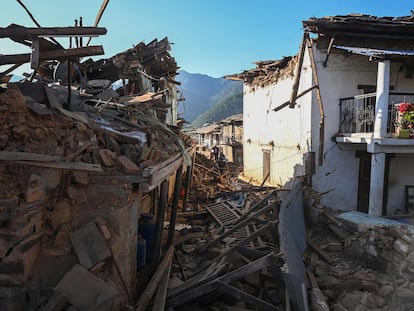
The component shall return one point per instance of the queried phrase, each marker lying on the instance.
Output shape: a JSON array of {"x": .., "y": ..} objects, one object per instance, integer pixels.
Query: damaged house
[
  {"x": 332, "y": 120},
  {"x": 227, "y": 134},
  {"x": 86, "y": 155},
  {"x": 334, "y": 113}
]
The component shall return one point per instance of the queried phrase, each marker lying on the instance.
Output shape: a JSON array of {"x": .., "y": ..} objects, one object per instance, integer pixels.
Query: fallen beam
[
  {"x": 249, "y": 299},
  {"x": 155, "y": 280},
  {"x": 60, "y": 54},
  {"x": 196, "y": 292},
  {"x": 29, "y": 33}
]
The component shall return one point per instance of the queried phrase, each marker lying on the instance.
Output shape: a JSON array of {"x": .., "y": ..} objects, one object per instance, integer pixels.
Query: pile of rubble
[
  {"x": 267, "y": 72},
  {"x": 231, "y": 262},
  {"x": 360, "y": 262},
  {"x": 209, "y": 179},
  {"x": 76, "y": 139}
]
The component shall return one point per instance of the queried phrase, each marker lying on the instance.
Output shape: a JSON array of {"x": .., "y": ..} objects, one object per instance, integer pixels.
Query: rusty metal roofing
[
  {"x": 374, "y": 52},
  {"x": 361, "y": 23},
  {"x": 267, "y": 72}
]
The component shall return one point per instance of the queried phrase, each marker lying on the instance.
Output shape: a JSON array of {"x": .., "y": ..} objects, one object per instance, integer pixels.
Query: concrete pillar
[
  {"x": 376, "y": 192},
  {"x": 381, "y": 104}
]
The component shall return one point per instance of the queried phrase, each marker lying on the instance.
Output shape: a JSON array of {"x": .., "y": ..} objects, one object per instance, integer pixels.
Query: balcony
[
  {"x": 231, "y": 139},
  {"x": 357, "y": 115}
]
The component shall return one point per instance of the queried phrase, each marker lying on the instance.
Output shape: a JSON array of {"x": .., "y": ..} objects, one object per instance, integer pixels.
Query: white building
[{"x": 329, "y": 113}]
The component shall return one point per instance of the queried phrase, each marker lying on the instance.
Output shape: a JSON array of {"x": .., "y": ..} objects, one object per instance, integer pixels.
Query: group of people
[{"x": 219, "y": 156}]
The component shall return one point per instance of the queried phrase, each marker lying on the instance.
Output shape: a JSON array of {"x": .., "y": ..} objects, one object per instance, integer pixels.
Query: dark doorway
[{"x": 364, "y": 180}]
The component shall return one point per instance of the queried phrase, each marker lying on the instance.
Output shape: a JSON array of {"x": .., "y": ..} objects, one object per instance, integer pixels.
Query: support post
[
  {"x": 319, "y": 99},
  {"x": 381, "y": 103},
  {"x": 190, "y": 169},
  {"x": 174, "y": 205},
  {"x": 376, "y": 192},
  {"x": 162, "y": 205}
]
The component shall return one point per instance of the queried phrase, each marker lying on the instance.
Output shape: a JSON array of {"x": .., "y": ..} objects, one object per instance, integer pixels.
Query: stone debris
[
  {"x": 372, "y": 266},
  {"x": 73, "y": 148}
]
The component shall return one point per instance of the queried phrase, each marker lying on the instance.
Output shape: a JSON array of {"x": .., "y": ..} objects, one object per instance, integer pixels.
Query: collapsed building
[
  {"x": 92, "y": 156},
  {"x": 87, "y": 148}
]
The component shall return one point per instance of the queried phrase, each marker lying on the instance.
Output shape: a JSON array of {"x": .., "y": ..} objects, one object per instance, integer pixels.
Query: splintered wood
[
  {"x": 236, "y": 264},
  {"x": 209, "y": 179}
]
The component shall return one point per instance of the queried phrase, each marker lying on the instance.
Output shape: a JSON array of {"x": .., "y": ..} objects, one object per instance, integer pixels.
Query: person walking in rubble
[{"x": 216, "y": 151}]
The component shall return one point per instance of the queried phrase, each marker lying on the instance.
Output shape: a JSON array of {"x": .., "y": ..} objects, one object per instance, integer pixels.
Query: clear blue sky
[{"x": 213, "y": 37}]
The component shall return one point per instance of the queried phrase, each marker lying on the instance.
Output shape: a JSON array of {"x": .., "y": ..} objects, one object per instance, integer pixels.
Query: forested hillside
[
  {"x": 208, "y": 99},
  {"x": 228, "y": 102}
]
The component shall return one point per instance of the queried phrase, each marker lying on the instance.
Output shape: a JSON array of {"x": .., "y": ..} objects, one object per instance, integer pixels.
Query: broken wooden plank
[
  {"x": 30, "y": 32},
  {"x": 159, "y": 224},
  {"x": 61, "y": 54},
  {"x": 112, "y": 179},
  {"x": 156, "y": 174},
  {"x": 249, "y": 299},
  {"x": 320, "y": 251},
  {"x": 318, "y": 300},
  {"x": 75, "y": 166},
  {"x": 174, "y": 205},
  {"x": 251, "y": 237},
  {"x": 259, "y": 205},
  {"x": 188, "y": 295},
  {"x": 200, "y": 279},
  {"x": 28, "y": 156},
  {"x": 243, "y": 223},
  {"x": 161, "y": 295},
  {"x": 155, "y": 280}
]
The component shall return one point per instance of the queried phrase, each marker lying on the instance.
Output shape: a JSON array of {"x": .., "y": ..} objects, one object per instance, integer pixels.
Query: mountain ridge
[{"x": 208, "y": 99}]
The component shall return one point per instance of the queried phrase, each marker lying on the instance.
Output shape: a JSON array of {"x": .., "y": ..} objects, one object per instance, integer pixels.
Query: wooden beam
[
  {"x": 61, "y": 54},
  {"x": 320, "y": 251},
  {"x": 28, "y": 156},
  {"x": 243, "y": 296},
  {"x": 189, "y": 175},
  {"x": 319, "y": 99},
  {"x": 98, "y": 17},
  {"x": 35, "y": 56},
  {"x": 29, "y": 33},
  {"x": 73, "y": 166},
  {"x": 161, "y": 295},
  {"x": 293, "y": 95},
  {"x": 12, "y": 68},
  {"x": 155, "y": 280},
  {"x": 193, "y": 293},
  {"x": 242, "y": 223},
  {"x": 263, "y": 202},
  {"x": 251, "y": 237},
  {"x": 280, "y": 107},
  {"x": 156, "y": 174},
  {"x": 328, "y": 52},
  {"x": 112, "y": 179},
  {"x": 174, "y": 205},
  {"x": 162, "y": 206}
]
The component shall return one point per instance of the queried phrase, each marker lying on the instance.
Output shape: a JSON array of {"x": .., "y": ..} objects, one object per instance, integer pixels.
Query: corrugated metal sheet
[{"x": 374, "y": 52}]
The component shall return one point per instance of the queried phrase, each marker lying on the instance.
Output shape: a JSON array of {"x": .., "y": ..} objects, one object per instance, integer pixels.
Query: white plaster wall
[
  {"x": 293, "y": 135},
  {"x": 339, "y": 173},
  {"x": 288, "y": 129},
  {"x": 337, "y": 177}
]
